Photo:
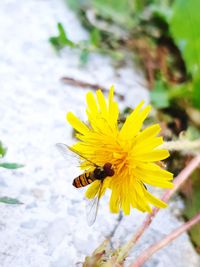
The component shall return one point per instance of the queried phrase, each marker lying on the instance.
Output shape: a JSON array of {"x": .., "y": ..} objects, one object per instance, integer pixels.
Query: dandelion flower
[{"x": 133, "y": 152}]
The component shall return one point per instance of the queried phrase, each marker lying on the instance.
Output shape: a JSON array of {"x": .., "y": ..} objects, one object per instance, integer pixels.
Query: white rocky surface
[{"x": 49, "y": 229}]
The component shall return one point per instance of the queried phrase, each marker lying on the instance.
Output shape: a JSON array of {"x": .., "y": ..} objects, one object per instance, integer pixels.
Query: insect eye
[
  {"x": 110, "y": 172},
  {"x": 108, "y": 168}
]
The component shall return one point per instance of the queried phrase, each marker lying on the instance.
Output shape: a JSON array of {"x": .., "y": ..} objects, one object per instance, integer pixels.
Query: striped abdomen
[{"x": 83, "y": 179}]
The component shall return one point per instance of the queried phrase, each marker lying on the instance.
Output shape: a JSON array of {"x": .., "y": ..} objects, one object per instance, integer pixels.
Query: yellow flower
[{"x": 133, "y": 152}]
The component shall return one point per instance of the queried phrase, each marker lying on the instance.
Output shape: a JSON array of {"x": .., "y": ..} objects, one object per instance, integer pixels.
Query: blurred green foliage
[
  {"x": 61, "y": 40},
  {"x": 185, "y": 28},
  {"x": 9, "y": 200},
  {"x": 120, "y": 11},
  {"x": 12, "y": 166},
  {"x": 112, "y": 24},
  {"x": 160, "y": 97},
  {"x": 192, "y": 205},
  {"x": 7, "y": 165},
  {"x": 3, "y": 150},
  {"x": 92, "y": 45}
]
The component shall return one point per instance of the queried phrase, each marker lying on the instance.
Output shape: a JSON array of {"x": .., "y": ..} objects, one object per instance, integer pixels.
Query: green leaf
[
  {"x": 61, "y": 40},
  {"x": 9, "y": 200},
  {"x": 185, "y": 28},
  {"x": 11, "y": 165},
  {"x": 159, "y": 95},
  {"x": 3, "y": 150}
]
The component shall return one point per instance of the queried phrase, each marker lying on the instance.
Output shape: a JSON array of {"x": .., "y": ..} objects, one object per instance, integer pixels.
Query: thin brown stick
[
  {"x": 179, "y": 180},
  {"x": 165, "y": 241},
  {"x": 182, "y": 177},
  {"x": 92, "y": 86}
]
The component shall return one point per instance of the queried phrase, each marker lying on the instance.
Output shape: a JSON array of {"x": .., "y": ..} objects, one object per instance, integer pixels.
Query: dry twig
[
  {"x": 165, "y": 241},
  {"x": 179, "y": 180},
  {"x": 93, "y": 86}
]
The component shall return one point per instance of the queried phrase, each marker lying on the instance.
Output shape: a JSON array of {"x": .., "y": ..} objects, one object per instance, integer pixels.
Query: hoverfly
[{"x": 99, "y": 173}]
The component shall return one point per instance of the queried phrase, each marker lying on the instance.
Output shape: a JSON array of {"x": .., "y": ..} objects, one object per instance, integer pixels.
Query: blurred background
[{"x": 51, "y": 53}]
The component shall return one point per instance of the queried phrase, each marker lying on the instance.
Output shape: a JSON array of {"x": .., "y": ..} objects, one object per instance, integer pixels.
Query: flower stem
[
  {"x": 178, "y": 181},
  {"x": 183, "y": 146},
  {"x": 165, "y": 241}
]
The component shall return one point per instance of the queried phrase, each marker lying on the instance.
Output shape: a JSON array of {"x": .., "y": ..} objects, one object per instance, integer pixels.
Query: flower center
[{"x": 120, "y": 161}]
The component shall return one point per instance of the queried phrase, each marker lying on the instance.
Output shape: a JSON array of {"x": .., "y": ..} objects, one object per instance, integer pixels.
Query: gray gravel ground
[{"x": 49, "y": 229}]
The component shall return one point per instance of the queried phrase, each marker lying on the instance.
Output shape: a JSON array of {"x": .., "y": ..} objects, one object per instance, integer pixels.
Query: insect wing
[
  {"x": 70, "y": 154},
  {"x": 92, "y": 205}
]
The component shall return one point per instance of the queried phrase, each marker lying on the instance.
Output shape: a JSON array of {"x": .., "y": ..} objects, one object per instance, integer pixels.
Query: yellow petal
[
  {"x": 91, "y": 102},
  {"x": 102, "y": 103},
  {"x": 152, "y": 169},
  {"x": 126, "y": 205},
  {"x": 147, "y": 145},
  {"x": 77, "y": 124},
  {"x": 149, "y": 132},
  {"x": 114, "y": 201},
  {"x": 111, "y": 95},
  {"x": 142, "y": 116},
  {"x": 126, "y": 126},
  {"x": 112, "y": 108},
  {"x": 155, "y": 201},
  {"x": 137, "y": 196},
  {"x": 154, "y": 155},
  {"x": 125, "y": 199},
  {"x": 134, "y": 122},
  {"x": 154, "y": 180}
]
